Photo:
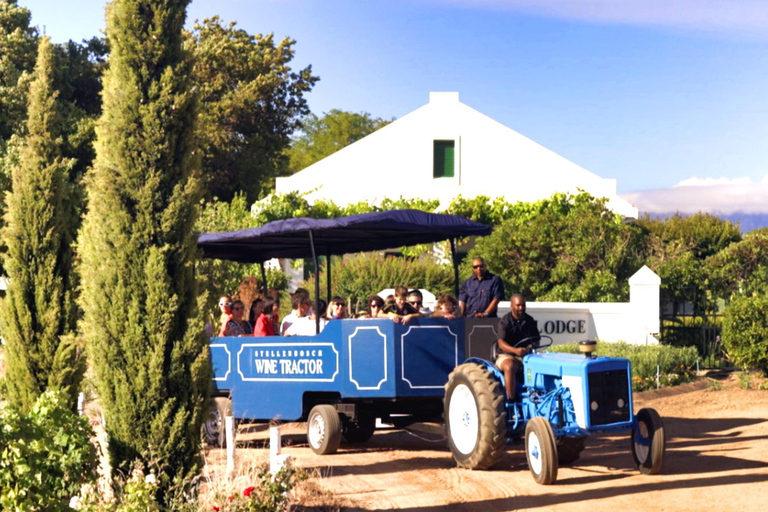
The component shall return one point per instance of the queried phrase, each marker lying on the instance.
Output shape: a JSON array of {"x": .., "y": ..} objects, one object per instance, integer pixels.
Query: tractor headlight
[
  {"x": 620, "y": 403},
  {"x": 594, "y": 405}
]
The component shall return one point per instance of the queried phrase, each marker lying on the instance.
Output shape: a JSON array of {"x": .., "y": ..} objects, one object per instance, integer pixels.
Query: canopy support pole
[
  {"x": 317, "y": 282},
  {"x": 265, "y": 288},
  {"x": 455, "y": 268},
  {"x": 328, "y": 278}
]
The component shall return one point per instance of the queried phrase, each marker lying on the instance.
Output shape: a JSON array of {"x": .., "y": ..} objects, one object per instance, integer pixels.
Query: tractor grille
[{"x": 609, "y": 392}]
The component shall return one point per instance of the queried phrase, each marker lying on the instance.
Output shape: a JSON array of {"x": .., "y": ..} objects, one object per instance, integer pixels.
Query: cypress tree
[
  {"x": 38, "y": 314},
  {"x": 140, "y": 324}
]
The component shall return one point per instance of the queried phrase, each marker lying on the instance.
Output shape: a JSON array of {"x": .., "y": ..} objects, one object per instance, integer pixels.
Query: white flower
[
  {"x": 75, "y": 502},
  {"x": 150, "y": 479}
]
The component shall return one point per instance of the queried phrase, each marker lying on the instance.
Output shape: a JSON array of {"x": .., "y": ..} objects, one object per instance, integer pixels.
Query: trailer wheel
[
  {"x": 648, "y": 442},
  {"x": 475, "y": 417},
  {"x": 541, "y": 451},
  {"x": 569, "y": 449},
  {"x": 361, "y": 431},
  {"x": 324, "y": 429},
  {"x": 214, "y": 427}
]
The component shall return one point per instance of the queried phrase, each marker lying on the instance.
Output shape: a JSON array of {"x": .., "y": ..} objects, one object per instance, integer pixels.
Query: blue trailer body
[{"x": 352, "y": 360}]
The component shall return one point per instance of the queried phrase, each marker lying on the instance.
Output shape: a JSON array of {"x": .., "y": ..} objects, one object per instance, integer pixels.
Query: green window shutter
[{"x": 443, "y": 159}]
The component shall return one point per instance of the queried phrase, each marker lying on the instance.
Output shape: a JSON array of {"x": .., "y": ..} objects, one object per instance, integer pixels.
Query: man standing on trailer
[
  {"x": 480, "y": 295},
  {"x": 514, "y": 327}
]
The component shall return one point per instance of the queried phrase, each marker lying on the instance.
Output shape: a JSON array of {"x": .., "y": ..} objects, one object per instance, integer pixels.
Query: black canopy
[{"x": 365, "y": 232}]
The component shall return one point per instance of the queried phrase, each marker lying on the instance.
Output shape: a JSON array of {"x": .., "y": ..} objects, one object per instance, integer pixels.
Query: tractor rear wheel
[
  {"x": 475, "y": 417},
  {"x": 569, "y": 449},
  {"x": 214, "y": 431},
  {"x": 648, "y": 442},
  {"x": 541, "y": 450}
]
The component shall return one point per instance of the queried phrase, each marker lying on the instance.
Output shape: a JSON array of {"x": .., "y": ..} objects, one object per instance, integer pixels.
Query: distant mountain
[{"x": 747, "y": 221}]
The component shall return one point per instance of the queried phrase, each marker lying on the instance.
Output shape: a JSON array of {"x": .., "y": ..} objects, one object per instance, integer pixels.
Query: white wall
[{"x": 636, "y": 321}]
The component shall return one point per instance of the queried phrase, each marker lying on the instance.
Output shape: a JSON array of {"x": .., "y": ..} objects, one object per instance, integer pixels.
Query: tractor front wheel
[
  {"x": 475, "y": 417},
  {"x": 541, "y": 450},
  {"x": 648, "y": 442}
]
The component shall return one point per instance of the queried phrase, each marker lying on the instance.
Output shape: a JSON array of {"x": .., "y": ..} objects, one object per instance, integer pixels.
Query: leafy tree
[
  {"x": 574, "y": 249},
  {"x": 251, "y": 102},
  {"x": 150, "y": 355},
  {"x": 676, "y": 248},
  {"x": 742, "y": 267},
  {"x": 745, "y": 331},
  {"x": 217, "y": 277},
  {"x": 323, "y": 136},
  {"x": 18, "y": 46},
  {"x": 38, "y": 316}
]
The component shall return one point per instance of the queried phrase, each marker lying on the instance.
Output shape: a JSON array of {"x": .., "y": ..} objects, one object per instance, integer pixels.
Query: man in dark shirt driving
[{"x": 515, "y": 326}]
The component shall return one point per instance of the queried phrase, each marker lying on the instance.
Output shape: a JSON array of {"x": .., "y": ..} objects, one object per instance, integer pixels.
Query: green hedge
[{"x": 674, "y": 363}]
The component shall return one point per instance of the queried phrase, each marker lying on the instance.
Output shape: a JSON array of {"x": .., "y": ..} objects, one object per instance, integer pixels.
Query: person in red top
[{"x": 264, "y": 325}]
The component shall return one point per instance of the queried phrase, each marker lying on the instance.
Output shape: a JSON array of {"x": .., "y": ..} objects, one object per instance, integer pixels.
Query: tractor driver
[{"x": 514, "y": 327}]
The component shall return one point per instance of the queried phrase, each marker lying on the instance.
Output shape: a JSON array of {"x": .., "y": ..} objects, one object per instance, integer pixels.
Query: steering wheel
[{"x": 495, "y": 351}]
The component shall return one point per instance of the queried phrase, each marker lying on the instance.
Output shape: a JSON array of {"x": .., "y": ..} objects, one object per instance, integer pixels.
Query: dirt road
[{"x": 717, "y": 449}]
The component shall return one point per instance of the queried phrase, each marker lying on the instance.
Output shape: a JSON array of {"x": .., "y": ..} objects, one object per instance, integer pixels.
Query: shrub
[
  {"x": 745, "y": 332},
  {"x": 45, "y": 456},
  {"x": 360, "y": 276},
  {"x": 673, "y": 363}
]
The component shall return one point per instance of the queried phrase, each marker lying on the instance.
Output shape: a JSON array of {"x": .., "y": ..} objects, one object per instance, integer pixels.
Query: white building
[{"x": 442, "y": 150}]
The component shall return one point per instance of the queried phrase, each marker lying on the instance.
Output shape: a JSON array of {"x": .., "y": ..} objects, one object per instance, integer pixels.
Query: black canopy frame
[{"x": 306, "y": 237}]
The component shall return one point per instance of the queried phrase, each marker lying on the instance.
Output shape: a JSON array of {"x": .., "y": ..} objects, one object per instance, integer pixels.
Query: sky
[{"x": 668, "y": 97}]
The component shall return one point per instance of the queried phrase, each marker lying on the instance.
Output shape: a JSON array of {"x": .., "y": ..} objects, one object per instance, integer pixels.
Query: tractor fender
[{"x": 488, "y": 365}]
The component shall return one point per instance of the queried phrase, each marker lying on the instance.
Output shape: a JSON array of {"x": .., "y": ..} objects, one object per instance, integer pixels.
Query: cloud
[
  {"x": 745, "y": 17},
  {"x": 713, "y": 195}
]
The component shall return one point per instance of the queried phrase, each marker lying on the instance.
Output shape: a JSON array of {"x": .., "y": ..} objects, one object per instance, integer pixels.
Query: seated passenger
[
  {"x": 416, "y": 299},
  {"x": 236, "y": 326},
  {"x": 304, "y": 324},
  {"x": 253, "y": 313},
  {"x": 401, "y": 311},
  {"x": 225, "y": 306},
  {"x": 264, "y": 325},
  {"x": 375, "y": 307},
  {"x": 337, "y": 309},
  {"x": 447, "y": 307},
  {"x": 300, "y": 297}
]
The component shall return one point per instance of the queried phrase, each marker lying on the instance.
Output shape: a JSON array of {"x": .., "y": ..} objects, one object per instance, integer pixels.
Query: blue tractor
[{"x": 561, "y": 399}]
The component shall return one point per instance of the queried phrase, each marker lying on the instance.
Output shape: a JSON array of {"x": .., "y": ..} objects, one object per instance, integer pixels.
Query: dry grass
[{"x": 217, "y": 486}]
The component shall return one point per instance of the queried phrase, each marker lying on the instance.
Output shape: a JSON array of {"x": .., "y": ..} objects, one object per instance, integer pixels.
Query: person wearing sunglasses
[
  {"x": 375, "y": 307},
  {"x": 237, "y": 326},
  {"x": 416, "y": 299},
  {"x": 337, "y": 309},
  {"x": 479, "y": 296},
  {"x": 401, "y": 311},
  {"x": 225, "y": 306}
]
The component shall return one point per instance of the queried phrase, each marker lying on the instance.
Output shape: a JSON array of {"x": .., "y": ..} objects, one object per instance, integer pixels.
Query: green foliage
[
  {"x": 18, "y": 47},
  {"x": 567, "y": 248},
  {"x": 323, "y": 136},
  {"x": 45, "y": 456},
  {"x": 358, "y": 277},
  {"x": 136, "y": 494},
  {"x": 141, "y": 317},
  {"x": 251, "y": 102},
  {"x": 745, "y": 332},
  {"x": 742, "y": 267},
  {"x": 744, "y": 380},
  {"x": 38, "y": 315},
  {"x": 269, "y": 494},
  {"x": 763, "y": 386},
  {"x": 674, "y": 363},
  {"x": 676, "y": 249},
  {"x": 715, "y": 385}
]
